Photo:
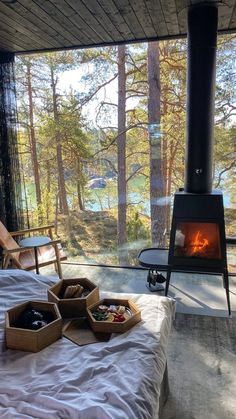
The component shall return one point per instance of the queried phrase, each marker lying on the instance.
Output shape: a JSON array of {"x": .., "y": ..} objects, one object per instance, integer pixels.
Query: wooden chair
[{"x": 31, "y": 257}]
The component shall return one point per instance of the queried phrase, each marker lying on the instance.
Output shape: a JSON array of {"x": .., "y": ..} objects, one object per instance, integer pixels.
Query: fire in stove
[
  {"x": 197, "y": 240},
  {"x": 199, "y": 243}
]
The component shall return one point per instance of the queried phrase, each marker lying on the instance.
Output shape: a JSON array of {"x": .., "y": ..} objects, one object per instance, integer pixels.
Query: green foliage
[
  {"x": 86, "y": 129},
  {"x": 137, "y": 229},
  {"x": 46, "y": 210}
]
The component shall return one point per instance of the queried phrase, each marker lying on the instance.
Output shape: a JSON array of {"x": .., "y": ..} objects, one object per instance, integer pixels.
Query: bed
[{"x": 124, "y": 378}]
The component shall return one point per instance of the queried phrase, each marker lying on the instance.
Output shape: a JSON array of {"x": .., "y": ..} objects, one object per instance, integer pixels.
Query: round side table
[{"x": 35, "y": 242}]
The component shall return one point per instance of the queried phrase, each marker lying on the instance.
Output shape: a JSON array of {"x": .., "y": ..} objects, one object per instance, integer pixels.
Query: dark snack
[
  {"x": 48, "y": 316},
  {"x": 37, "y": 324},
  {"x": 33, "y": 319},
  {"x": 29, "y": 316}
]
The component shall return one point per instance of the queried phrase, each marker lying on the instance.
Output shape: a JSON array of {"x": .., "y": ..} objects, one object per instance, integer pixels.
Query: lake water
[{"x": 105, "y": 204}]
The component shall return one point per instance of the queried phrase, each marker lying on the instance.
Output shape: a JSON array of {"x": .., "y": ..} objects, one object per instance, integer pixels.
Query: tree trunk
[
  {"x": 48, "y": 183},
  {"x": 121, "y": 157},
  {"x": 33, "y": 147},
  {"x": 48, "y": 172},
  {"x": 79, "y": 186},
  {"x": 166, "y": 182},
  {"x": 62, "y": 195},
  {"x": 61, "y": 177},
  {"x": 156, "y": 170}
]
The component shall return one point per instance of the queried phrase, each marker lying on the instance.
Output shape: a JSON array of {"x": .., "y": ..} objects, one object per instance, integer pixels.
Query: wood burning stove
[{"x": 197, "y": 239}]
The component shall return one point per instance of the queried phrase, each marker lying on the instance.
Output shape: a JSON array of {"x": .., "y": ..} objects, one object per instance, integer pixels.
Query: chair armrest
[
  {"x": 17, "y": 249},
  {"x": 31, "y": 230}
]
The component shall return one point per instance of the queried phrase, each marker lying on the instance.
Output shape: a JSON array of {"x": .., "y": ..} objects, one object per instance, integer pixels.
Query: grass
[{"x": 94, "y": 237}]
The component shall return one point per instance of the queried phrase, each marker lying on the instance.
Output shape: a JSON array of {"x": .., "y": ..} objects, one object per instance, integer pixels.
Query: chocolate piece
[
  {"x": 28, "y": 316},
  {"x": 37, "y": 324}
]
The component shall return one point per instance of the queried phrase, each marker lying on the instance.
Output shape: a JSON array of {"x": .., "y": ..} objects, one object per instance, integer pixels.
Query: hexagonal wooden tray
[
  {"x": 32, "y": 340},
  {"x": 73, "y": 307},
  {"x": 107, "y": 326}
]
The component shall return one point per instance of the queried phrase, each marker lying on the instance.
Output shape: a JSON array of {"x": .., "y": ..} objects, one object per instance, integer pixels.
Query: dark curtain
[{"x": 11, "y": 213}]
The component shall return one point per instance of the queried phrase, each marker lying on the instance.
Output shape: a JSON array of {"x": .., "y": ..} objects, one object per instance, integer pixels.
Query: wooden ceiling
[{"x": 39, "y": 25}]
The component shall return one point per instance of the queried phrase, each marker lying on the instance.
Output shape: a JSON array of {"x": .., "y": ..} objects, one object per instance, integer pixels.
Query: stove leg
[
  {"x": 226, "y": 286},
  {"x": 167, "y": 281}
]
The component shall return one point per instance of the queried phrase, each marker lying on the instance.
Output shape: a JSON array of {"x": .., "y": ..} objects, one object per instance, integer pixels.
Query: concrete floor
[{"x": 194, "y": 293}]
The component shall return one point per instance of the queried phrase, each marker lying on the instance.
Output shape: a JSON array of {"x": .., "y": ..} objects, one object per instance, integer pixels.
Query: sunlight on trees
[{"x": 102, "y": 155}]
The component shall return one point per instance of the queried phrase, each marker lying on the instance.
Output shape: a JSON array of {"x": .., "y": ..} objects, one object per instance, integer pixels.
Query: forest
[{"x": 101, "y": 137}]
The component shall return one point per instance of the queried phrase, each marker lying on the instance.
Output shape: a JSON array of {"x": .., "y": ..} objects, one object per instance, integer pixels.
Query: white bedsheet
[{"x": 119, "y": 379}]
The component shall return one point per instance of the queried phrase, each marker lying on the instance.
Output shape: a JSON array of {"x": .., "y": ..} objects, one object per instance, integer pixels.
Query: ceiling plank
[
  {"x": 86, "y": 32},
  {"x": 232, "y": 23},
  {"x": 44, "y": 25},
  {"x": 95, "y": 8},
  {"x": 70, "y": 32},
  {"x": 182, "y": 12},
  {"x": 35, "y": 13},
  {"x": 25, "y": 23},
  {"x": 90, "y": 20},
  {"x": 157, "y": 16},
  {"x": 170, "y": 16},
  {"x": 130, "y": 18},
  {"x": 111, "y": 10},
  {"x": 225, "y": 14},
  {"x": 21, "y": 30},
  {"x": 7, "y": 45},
  {"x": 23, "y": 39},
  {"x": 11, "y": 40},
  {"x": 143, "y": 16}
]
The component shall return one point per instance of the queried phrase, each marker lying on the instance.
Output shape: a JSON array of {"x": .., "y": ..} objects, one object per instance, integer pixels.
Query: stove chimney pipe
[{"x": 202, "y": 44}]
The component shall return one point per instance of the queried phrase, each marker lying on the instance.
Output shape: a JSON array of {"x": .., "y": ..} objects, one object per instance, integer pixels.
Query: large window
[{"x": 102, "y": 143}]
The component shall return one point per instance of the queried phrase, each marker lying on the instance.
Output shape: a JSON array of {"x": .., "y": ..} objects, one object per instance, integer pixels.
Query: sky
[{"x": 72, "y": 78}]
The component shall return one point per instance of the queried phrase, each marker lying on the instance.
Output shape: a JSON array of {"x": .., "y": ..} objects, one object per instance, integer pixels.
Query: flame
[{"x": 199, "y": 243}]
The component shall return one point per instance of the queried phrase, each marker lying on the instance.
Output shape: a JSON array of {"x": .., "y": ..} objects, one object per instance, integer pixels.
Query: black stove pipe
[{"x": 202, "y": 44}]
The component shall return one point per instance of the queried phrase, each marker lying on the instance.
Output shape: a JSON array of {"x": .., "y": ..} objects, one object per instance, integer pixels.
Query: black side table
[
  {"x": 156, "y": 260},
  {"x": 35, "y": 242}
]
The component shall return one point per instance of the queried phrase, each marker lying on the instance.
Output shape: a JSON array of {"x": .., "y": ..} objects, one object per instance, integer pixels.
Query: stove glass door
[{"x": 197, "y": 240}]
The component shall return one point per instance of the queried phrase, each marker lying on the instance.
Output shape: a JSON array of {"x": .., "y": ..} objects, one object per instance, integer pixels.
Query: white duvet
[{"x": 119, "y": 379}]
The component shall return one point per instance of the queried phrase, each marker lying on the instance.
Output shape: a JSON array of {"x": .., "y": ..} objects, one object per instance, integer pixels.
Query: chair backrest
[{"x": 7, "y": 242}]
